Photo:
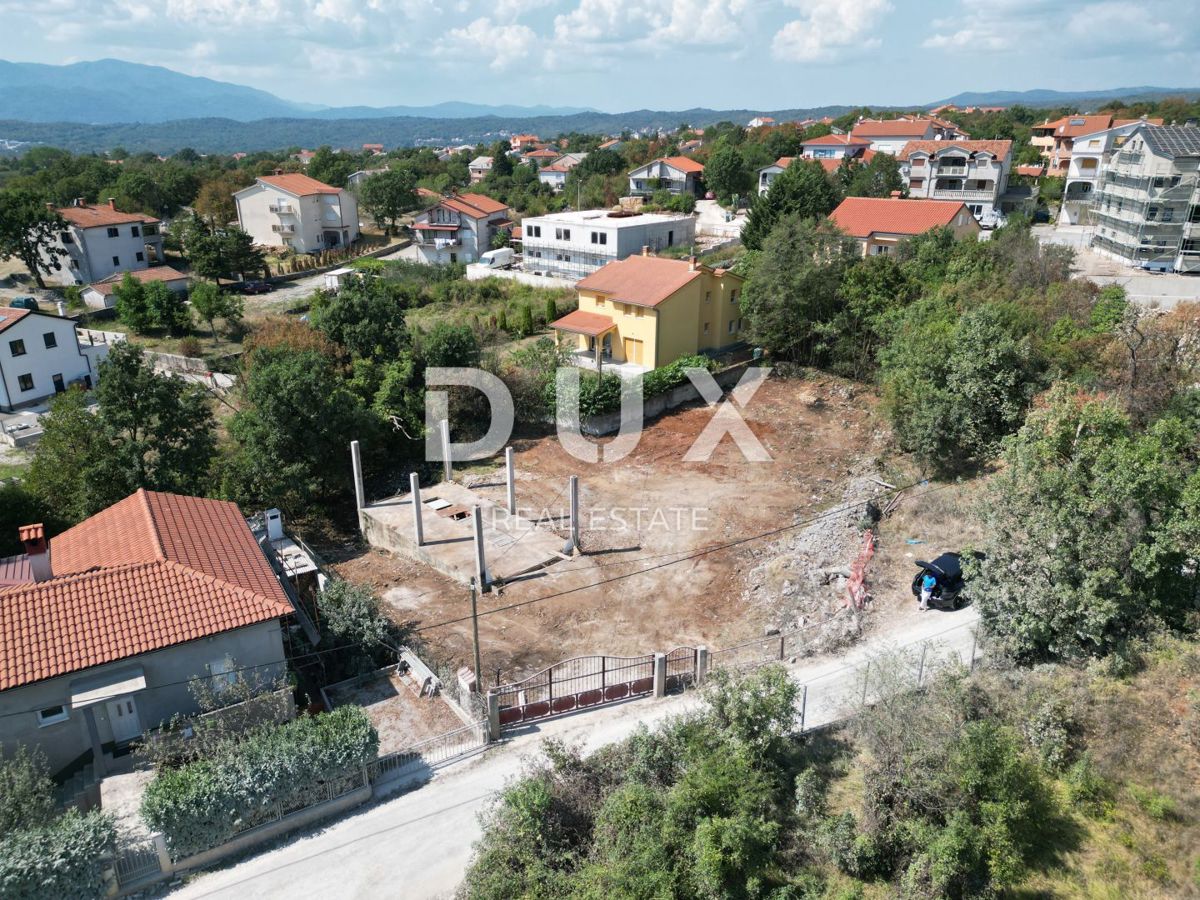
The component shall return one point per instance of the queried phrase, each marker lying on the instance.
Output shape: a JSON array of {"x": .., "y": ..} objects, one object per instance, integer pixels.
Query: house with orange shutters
[{"x": 106, "y": 629}]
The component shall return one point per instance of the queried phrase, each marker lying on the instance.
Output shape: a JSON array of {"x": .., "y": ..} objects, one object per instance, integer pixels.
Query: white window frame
[{"x": 44, "y": 721}]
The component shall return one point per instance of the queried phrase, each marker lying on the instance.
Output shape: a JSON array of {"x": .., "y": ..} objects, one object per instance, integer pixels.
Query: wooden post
[{"x": 921, "y": 670}]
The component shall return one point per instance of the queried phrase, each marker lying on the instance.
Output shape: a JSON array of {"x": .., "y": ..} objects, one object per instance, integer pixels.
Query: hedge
[
  {"x": 599, "y": 395},
  {"x": 205, "y": 803},
  {"x": 65, "y": 859}
]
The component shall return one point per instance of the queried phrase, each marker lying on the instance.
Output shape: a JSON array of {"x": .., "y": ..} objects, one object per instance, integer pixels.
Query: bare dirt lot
[
  {"x": 644, "y": 583},
  {"x": 398, "y": 714}
]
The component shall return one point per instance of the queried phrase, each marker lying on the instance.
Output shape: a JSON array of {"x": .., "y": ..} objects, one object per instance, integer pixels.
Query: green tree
[
  {"x": 448, "y": 345},
  {"x": 600, "y": 162},
  {"x": 502, "y": 163},
  {"x": 389, "y": 195},
  {"x": 878, "y": 178},
  {"x": 168, "y": 309},
  {"x": 801, "y": 190},
  {"x": 29, "y": 232},
  {"x": 551, "y": 310},
  {"x": 366, "y": 317},
  {"x": 211, "y": 303},
  {"x": 726, "y": 173},
  {"x": 132, "y": 306},
  {"x": 26, "y": 791},
  {"x": 524, "y": 321},
  {"x": 217, "y": 253}
]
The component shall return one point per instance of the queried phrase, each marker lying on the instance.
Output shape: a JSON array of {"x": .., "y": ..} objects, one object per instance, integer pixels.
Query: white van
[{"x": 497, "y": 259}]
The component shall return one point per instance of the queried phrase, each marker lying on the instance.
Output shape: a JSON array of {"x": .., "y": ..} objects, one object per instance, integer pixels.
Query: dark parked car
[
  {"x": 256, "y": 287},
  {"x": 24, "y": 303},
  {"x": 947, "y": 570}
]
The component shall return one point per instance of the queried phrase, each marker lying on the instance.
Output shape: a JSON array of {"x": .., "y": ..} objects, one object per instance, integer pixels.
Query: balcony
[
  {"x": 951, "y": 170},
  {"x": 943, "y": 194},
  {"x": 284, "y": 209},
  {"x": 284, "y": 229}
]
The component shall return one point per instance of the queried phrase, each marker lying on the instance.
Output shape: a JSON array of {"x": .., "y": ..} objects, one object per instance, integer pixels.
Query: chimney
[
  {"x": 645, "y": 249},
  {"x": 80, "y": 201},
  {"x": 274, "y": 521},
  {"x": 896, "y": 195},
  {"x": 279, "y": 171},
  {"x": 112, "y": 202},
  {"x": 34, "y": 539},
  {"x": 693, "y": 265},
  {"x": 50, "y": 206}
]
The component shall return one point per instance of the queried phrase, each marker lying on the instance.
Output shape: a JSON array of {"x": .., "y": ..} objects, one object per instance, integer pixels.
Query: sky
[{"x": 617, "y": 55}]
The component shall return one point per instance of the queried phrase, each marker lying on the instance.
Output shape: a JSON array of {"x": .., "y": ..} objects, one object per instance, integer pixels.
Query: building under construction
[{"x": 1147, "y": 201}]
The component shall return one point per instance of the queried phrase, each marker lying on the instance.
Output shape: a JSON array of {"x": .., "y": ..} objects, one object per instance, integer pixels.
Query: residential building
[
  {"x": 760, "y": 122},
  {"x": 99, "y": 240},
  {"x": 459, "y": 228},
  {"x": 105, "y": 628},
  {"x": 574, "y": 244},
  {"x": 1056, "y": 139},
  {"x": 1089, "y": 153},
  {"x": 373, "y": 149},
  {"x": 834, "y": 146},
  {"x": 555, "y": 174},
  {"x": 890, "y": 135},
  {"x": 479, "y": 168},
  {"x": 304, "y": 157},
  {"x": 523, "y": 142},
  {"x": 880, "y": 224},
  {"x": 1030, "y": 170},
  {"x": 298, "y": 212},
  {"x": 40, "y": 356},
  {"x": 973, "y": 172},
  {"x": 691, "y": 146},
  {"x": 768, "y": 174},
  {"x": 646, "y": 311},
  {"x": 1147, "y": 205},
  {"x": 613, "y": 144},
  {"x": 355, "y": 179},
  {"x": 676, "y": 174},
  {"x": 102, "y": 294}
]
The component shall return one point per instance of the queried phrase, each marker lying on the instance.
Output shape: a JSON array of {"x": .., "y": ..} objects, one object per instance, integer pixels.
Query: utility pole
[{"x": 475, "y": 638}]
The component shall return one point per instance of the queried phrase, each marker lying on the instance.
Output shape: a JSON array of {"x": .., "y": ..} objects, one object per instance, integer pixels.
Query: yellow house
[
  {"x": 880, "y": 224},
  {"x": 645, "y": 311}
]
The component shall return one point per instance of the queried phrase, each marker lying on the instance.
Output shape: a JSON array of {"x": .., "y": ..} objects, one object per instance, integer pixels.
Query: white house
[
  {"x": 459, "y": 228},
  {"x": 40, "y": 356},
  {"x": 479, "y": 168},
  {"x": 100, "y": 240},
  {"x": 572, "y": 245},
  {"x": 890, "y": 135},
  {"x": 760, "y": 122},
  {"x": 101, "y": 295},
  {"x": 834, "y": 146},
  {"x": 296, "y": 211},
  {"x": 355, "y": 179},
  {"x": 1088, "y": 154},
  {"x": 555, "y": 174},
  {"x": 677, "y": 174},
  {"x": 972, "y": 172}
]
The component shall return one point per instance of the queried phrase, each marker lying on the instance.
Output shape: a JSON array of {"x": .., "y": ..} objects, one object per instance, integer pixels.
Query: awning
[
  {"x": 582, "y": 322},
  {"x": 425, "y": 226},
  {"x": 99, "y": 688}
]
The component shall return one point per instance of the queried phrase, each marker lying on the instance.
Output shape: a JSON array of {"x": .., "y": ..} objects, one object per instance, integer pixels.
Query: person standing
[{"x": 928, "y": 583}]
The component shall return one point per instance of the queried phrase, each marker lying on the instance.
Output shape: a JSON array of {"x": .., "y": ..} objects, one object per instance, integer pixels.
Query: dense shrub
[
  {"x": 205, "y": 803},
  {"x": 64, "y": 859},
  {"x": 600, "y": 395}
]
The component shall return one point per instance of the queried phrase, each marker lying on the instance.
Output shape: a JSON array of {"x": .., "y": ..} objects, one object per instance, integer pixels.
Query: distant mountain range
[
  {"x": 1046, "y": 98},
  {"x": 110, "y": 91}
]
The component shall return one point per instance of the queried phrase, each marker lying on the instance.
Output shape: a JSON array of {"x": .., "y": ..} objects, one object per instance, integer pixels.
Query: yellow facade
[{"x": 704, "y": 314}]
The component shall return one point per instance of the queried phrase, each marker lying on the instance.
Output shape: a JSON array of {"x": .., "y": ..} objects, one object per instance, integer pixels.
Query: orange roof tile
[
  {"x": 156, "y": 273},
  {"x": 891, "y": 128},
  {"x": 297, "y": 184},
  {"x": 641, "y": 280},
  {"x": 1033, "y": 171},
  {"x": 583, "y": 322},
  {"x": 101, "y": 215},
  {"x": 998, "y": 149},
  {"x": 683, "y": 164},
  {"x": 864, "y": 216},
  {"x": 149, "y": 572},
  {"x": 477, "y": 206},
  {"x": 11, "y": 315}
]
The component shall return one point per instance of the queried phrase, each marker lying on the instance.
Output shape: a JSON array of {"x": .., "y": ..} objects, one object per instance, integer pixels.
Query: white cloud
[
  {"x": 826, "y": 29},
  {"x": 502, "y": 46}
]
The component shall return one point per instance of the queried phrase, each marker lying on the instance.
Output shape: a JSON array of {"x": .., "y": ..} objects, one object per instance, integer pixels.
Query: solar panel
[{"x": 1174, "y": 140}]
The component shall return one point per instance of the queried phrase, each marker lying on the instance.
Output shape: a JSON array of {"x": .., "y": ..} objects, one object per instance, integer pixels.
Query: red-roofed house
[
  {"x": 101, "y": 295},
  {"x": 890, "y": 135},
  {"x": 834, "y": 146},
  {"x": 40, "y": 356},
  {"x": 971, "y": 172},
  {"x": 459, "y": 228},
  {"x": 99, "y": 240},
  {"x": 677, "y": 174},
  {"x": 1056, "y": 139},
  {"x": 293, "y": 210},
  {"x": 768, "y": 174},
  {"x": 881, "y": 224},
  {"x": 522, "y": 142},
  {"x": 102, "y": 630}
]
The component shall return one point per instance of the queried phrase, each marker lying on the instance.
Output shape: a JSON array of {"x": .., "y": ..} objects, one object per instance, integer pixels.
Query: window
[
  {"x": 918, "y": 163},
  {"x": 223, "y": 674},
  {"x": 134, "y": 232},
  {"x": 51, "y": 715},
  {"x": 916, "y": 183},
  {"x": 17, "y": 348},
  {"x": 50, "y": 339},
  {"x": 706, "y": 328},
  {"x": 599, "y": 237},
  {"x": 1151, "y": 213},
  {"x": 629, "y": 310},
  {"x": 733, "y": 296},
  {"x": 1168, "y": 214},
  {"x": 25, "y": 382},
  {"x": 599, "y": 302},
  {"x": 67, "y": 237},
  {"x": 112, "y": 232},
  {"x": 731, "y": 323},
  {"x": 535, "y": 231},
  {"x": 708, "y": 296},
  {"x": 141, "y": 257},
  {"x": 116, "y": 260},
  {"x": 562, "y": 234}
]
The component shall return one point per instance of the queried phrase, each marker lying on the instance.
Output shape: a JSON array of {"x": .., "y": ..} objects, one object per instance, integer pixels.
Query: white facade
[
  {"x": 479, "y": 168},
  {"x": 40, "y": 356},
  {"x": 572, "y": 245},
  {"x": 117, "y": 242},
  {"x": 1089, "y": 153},
  {"x": 768, "y": 174},
  {"x": 355, "y": 179},
  {"x": 678, "y": 175},
  {"x": 455, "y": 231},
  {"x": 277, "y": 216},
  {"x": 975, "y": 173}
]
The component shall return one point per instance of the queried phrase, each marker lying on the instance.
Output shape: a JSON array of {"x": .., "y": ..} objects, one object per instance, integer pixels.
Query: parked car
[
  {"x": 256, "y": 287},
  {"x": 947, "y": 571},
  {"x": 24, "y": 303}
]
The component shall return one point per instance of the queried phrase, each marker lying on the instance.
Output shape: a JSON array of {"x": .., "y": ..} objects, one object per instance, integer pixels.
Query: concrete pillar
[
  {"x": 575, "y": 548},
  {"x": 414, "y": 491},
  {"x": 660, "y": 674},
  {"x": 511, "y": 472},
  {"x": 447, "y": 463},
  {"x": 493, "y": 716},
  {"x": 98, "y": 766},
  {"x": 356, "y": 462},
  {"x": 701, "y": 664},
  {"x": 164, "y": 856},
  {"x": 803, "y": 706},
  {"x": 481, "y": 573}
]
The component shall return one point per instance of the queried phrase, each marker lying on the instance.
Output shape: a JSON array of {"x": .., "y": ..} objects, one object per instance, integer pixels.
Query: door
[
  {"x": 59, "y": 384},
  {"x": 633, "y": 351},
  {"x": 123, "y": 718}
]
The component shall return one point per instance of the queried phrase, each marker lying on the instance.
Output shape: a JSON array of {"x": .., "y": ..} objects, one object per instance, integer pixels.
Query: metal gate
[
  {"x": 681, "y": 668},
  {"x": 575, "y": 684}
]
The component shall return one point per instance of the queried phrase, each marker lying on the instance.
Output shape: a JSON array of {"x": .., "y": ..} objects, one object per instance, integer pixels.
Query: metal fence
[
  {"x": 573, "y": 684},
  {"x": 430, "y": 753},
  {"x": 135, "y": 862},
  {"x": 772, "y": 648}
]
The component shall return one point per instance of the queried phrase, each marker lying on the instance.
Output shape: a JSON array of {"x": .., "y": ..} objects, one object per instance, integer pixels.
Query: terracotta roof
[
  {"x": 583, "y": 322},
  {"x": 98, "y": 216},
  {"x": 156, "y": 273},
  {"x": 554, "y": 168},
  {"x": 149, "y": 572},
  {"x": 477, "y": 206},
  {"x": 836, "y": 140},
  {"x": 11, "y": 315},
  {"x": 890, "y": 128},
  {"x": 297, "y": 184},
  {"x": 864, "y": 216},
  {"x": 641, "y": 280},
  {"x": 542, "y": 154},
  {"x": 998, "y": 149},
  {"x": 683, "y": 164},
  {"x": 1034, "y": 171}
]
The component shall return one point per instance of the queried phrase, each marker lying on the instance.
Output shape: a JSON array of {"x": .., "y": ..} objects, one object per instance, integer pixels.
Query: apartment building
[
  {"x": 1147, "y": 200},
  {"x": 971, "y": 172},
  {"x": 459, "y": 228},
  {"x": 298, "y": 212},
  {"x": 478, "y": 168},
  {"x": 99, "y": 239},
  {"x": 573, "y": 245},
  {"x": 890, "y": 135},
  {"x": 1056, "y": 140},
  {"x": 1089, "y": 154}
]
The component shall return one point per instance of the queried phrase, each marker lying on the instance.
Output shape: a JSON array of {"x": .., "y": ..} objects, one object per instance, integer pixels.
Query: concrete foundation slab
[{"x": 513, "y": 545}]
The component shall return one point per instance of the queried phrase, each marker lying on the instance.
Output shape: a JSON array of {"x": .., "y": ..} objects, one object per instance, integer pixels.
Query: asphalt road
[{"x": 418, "y": 844}]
